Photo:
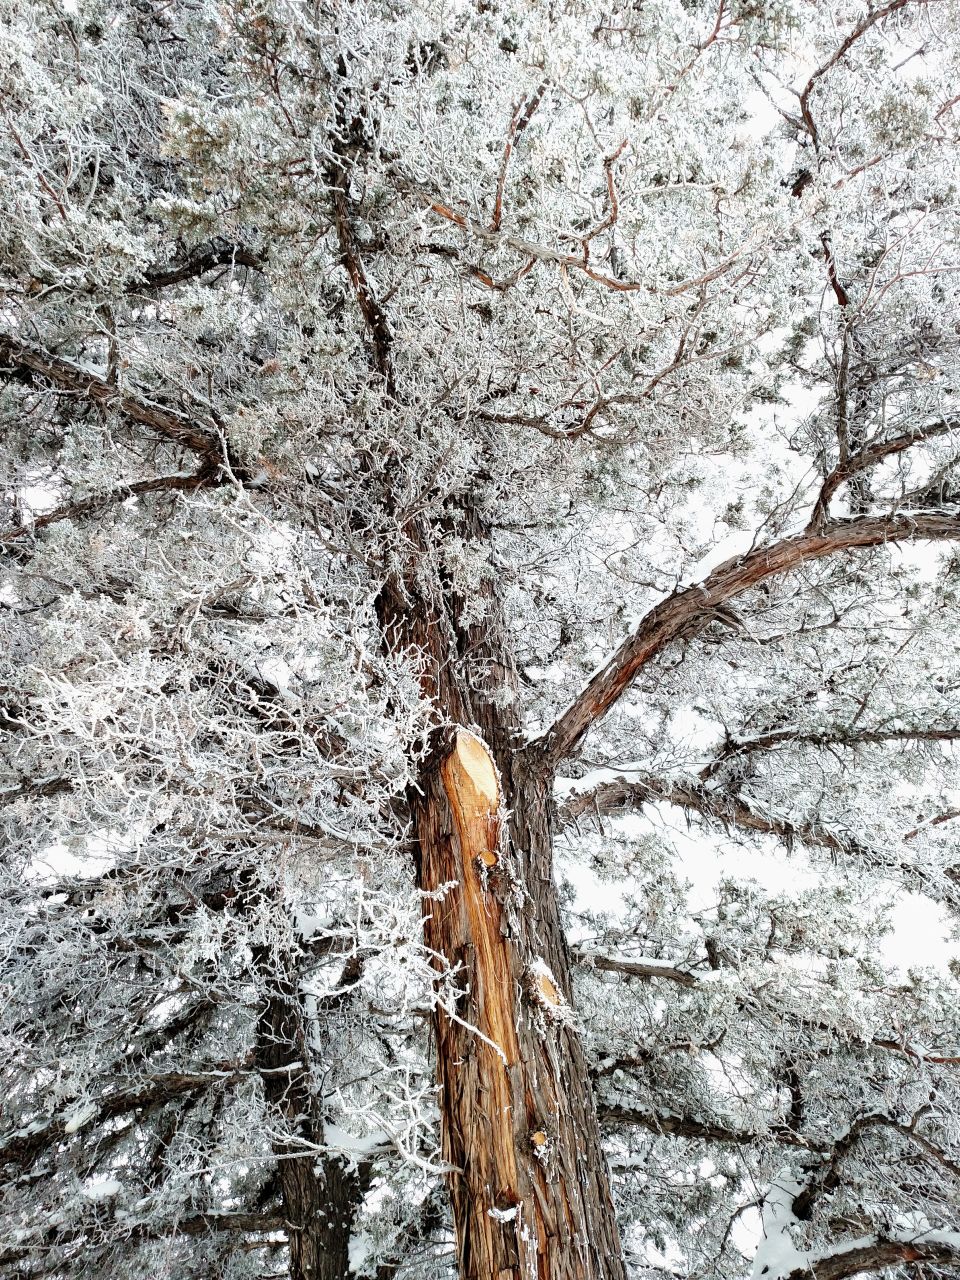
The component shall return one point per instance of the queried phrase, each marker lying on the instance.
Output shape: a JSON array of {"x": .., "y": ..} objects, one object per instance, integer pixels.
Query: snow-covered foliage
[{"x": 571, "y": 307}]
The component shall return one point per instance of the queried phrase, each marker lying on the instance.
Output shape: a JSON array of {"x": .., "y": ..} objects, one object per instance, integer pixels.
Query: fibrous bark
[{"x": 529, "y": 1189}]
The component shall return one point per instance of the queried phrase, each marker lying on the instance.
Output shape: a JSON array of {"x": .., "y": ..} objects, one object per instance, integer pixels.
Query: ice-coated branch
[
  {"x": 22, "y": 1146},
  {"x": 870, "y": 456},
  {"x": 622, "y": 794},
  {"x": 634, "y": 968},
  {"x": 374, "y": 315},
  {"x": 689, "y": 610},
  {"x": 837, "y": 736},
  {"x": 614, "y": 1114},
  {"x": 82, "y": 507},
  {"x": 873, "y": 1253},
  {"x": 201, "y": 262},
  {"x": 28, "y": 363},
  {"x": 651, "y": 969},
  {"x": 200, "y": 1224},
  {"x": 531, "y": 249},
  {"x": 779, "y": 1257}
]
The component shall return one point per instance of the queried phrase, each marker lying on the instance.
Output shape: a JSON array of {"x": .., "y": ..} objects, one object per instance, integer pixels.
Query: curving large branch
[
  {"x": 872, "y": 455},
  {"x": 689, "y": 610}
]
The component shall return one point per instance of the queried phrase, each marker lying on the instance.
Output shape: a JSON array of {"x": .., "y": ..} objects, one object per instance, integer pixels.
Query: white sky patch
[
  {"x": 736, "y": 543},
  {"x": 762, "y": 117},
  {"x": 38, "y": 498},
  {"x": 276, "y": 671}
]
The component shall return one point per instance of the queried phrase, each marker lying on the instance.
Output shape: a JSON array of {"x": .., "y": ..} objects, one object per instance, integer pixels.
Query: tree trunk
[
  {"x": 320, "y": 1194},
  {"x": 530, "y": 1189},
  {"x": 530, "y": 1194}
]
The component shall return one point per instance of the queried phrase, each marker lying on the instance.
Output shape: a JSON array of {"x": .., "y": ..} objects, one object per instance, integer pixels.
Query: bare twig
[{"x": 521, "y": 118}]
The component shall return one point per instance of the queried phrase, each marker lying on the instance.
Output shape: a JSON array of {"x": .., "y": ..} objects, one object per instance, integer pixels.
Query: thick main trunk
[
  {"x": 531, "y": 1197},
  {"x": 530, "y": 1192}
]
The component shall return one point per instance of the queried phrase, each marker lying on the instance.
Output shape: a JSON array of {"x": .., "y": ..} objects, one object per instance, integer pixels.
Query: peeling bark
[{"x": 530, "y": 1190}]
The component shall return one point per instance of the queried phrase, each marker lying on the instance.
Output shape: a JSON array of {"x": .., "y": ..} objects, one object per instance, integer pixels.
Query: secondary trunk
[{"x": 320, "y": 1193}]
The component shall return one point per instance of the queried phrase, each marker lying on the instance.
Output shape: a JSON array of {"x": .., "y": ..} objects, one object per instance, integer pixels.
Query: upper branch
[
  {"x": 534, "y": 251},
  {"x": 689, "y": 610},
  {"x": 63, "y": 1238},
  {"x": 86, "y": 506},
  {"x": 649, "y": 968},
  {"x": 31, "y": 363},
  {"x": 521, "y": 118},
  {"x": 374, "y": 315},
  {"x": 835, "y": 737},
  {"x": 872, "y": 18},
  {"x": 871, "y": 456},
  {"x": 612, "y": 1114},
  {"x": 218, "y": 254}
]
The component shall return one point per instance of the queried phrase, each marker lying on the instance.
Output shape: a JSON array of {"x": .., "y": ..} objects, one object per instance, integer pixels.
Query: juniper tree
[{"x": 455, "y": 456}]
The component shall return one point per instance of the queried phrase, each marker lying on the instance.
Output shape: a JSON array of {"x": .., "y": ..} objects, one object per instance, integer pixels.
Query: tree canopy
[{"x": 480, "y": 487}]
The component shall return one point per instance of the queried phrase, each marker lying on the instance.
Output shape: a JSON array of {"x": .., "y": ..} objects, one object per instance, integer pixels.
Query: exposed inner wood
[
  {"x": 480, "y": 1062},
  {"x": 528, "y": 1194},
  {"x": 547, "y": 990},
  {"x": 473, "y": 790}
]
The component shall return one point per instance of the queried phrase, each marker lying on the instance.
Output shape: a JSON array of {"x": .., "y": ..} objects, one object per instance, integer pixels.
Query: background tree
[{"x": 443, "y": 445}]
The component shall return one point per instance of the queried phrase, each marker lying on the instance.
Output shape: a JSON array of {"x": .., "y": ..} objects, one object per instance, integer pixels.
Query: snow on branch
[
  {"x": 731, "y": 811},
  {"x": 22, "y": 1146},
  {"x": 838, "y": 736},
  {"x": 687, "y": 611},
  {"x": 779, "y": 1257}
]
